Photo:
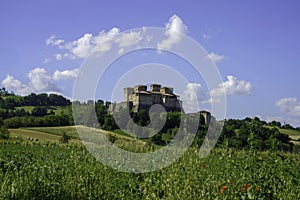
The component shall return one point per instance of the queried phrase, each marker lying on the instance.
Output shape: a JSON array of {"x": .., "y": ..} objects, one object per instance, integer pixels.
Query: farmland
[
  {"x": 39, "y": 171},
  {"x": 48, "y": 169}
]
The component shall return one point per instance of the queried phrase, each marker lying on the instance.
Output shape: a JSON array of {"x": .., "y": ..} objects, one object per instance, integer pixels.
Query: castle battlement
[{"x": 140, "y": 98}]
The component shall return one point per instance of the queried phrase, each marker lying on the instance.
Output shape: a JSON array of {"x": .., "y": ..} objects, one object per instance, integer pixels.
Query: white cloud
[
  {"x": 83, "y": 46},
  {"x": 66, "y": 74},
  {"x": 193, "y": 95},
  {"x": 58, "y": 56},
  {"x": 232, "y": 86},
  {"x": 215, "y": 57},
  {"x": 52, "y": 40},
  {"x": 271, "y": 118},
  {"x": 294, "y": 121},
  {"x": 129, "y": 39},
  {"x": 46, "y": 60},
  {"x": 40, "y": 81},
  {"x": 103, "y": 42},
  {"x": 174, "y": 29},
  {"x": 289, "y": 106},
  {"x": 12, "y": 84}
]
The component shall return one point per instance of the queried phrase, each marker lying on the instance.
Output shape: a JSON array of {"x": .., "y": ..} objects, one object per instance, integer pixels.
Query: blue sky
[{"x": 255, "y": 45}]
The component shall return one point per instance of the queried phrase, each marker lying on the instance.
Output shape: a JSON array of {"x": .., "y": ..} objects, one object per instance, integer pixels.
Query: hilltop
[{"x": 50, "y": 110}]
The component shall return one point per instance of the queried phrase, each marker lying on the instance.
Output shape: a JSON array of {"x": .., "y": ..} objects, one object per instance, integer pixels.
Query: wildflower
[
  {"x": 243, "y": 189},
  {"x": 224, "y": 187},
  {"x": 257, "y": 189},
  {"x": 249, "y": 188}
]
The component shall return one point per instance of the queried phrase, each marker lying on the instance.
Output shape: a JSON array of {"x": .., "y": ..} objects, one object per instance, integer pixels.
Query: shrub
[
  {"x": 65, "y": 138},
  {"x": 4, "y": 133}
]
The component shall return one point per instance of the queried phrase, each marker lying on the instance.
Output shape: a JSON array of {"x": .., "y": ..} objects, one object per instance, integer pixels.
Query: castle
[
  {"x": 143, "y": 99},
  {"x": 139, "y": 98}
]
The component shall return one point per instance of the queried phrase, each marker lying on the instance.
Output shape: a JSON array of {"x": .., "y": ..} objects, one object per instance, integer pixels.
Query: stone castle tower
[{"x": 139, "y": 98}]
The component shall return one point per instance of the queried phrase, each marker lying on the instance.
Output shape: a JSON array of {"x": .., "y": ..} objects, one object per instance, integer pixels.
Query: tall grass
[{"x": 70, "y": 172}]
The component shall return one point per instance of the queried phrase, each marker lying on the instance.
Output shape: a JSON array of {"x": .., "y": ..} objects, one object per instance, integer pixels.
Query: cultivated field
[
  {"x": 46, "y": 169},
  {"x": 34, "y": 171}
]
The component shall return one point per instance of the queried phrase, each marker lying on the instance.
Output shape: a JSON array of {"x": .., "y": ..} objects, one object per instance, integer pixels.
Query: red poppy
[
  {"x": 224, "y": 187},
  {"x": 257, "y": 189}
]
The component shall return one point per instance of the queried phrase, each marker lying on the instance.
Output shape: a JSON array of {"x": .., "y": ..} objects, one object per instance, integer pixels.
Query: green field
[
  {"x": 70, "y": 130},
  {"x": 58, "y": 172},
  {"x": 26, "y": 108},
  {"x": 54, "y": 134},
  {"x": 25, "y": 133},
  {"x": 293, "y": 134},
  {"x": 46, "y": 169}
]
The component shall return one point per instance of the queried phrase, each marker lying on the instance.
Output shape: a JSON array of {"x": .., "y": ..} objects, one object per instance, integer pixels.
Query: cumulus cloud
[
  {"x": 66, "y": 74},
  {"x": 52, "y": 40},
  {"x": 83, "y": 46},
  {"x": 174, "y": 29},
  {"x": 58, "y": 56},
  {"x": 193, "y": 95},
  {"x": 103, "y": 42},
  {"x": 40, "y": 81},
  {"x": 232, "y": 86},
  {"x": 12, "y": 84},
  {"x": 289, "y": 106},
  {"x": 215, "y": 57},
  {"x": 129, "y": 39}
]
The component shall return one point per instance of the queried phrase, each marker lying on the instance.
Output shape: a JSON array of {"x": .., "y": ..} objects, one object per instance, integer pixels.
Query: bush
[
  {"x": 4, "y": 133},
  {"x": 65, "y": 138}
]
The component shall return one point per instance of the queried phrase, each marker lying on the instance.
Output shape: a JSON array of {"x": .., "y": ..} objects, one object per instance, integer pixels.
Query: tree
[
  {"x": 3, "y": 92},
  {"x": 143, "y": 118},
  {"x": 39, "y": 111},
  {"x": 274, "y": 123},
  {"x": 58, "y": 100},
  {"x": 4, "y": 133},
  {"x": 287, "y": 126}
]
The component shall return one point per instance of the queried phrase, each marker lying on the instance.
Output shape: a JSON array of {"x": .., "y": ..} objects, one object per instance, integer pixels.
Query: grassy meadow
[
  {"x": 35, "y": 171},
  {"x": 47, "y": 169}
]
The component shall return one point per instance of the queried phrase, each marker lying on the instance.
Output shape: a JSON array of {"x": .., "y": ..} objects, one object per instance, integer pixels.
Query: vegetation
[
  {"x": 65, "y": 138},
  {"x": 23, "y": 134},
  {"x": 57, "y": 130},
  {"x": 43, "y": 110},
  {"x": 4, "y": 133},
  {"x": 34, "y": 110},
  {"x": 57, "y": 172},
  {"x": 253, "y": 159}
]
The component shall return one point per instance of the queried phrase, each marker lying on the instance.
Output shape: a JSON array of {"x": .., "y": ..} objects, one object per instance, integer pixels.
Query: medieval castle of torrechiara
[{"x": 139, "y": 98}]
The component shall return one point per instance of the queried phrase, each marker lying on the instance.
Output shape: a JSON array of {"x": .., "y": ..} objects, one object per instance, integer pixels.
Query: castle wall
[
  {"x": 127, "y": 92},
  {"x": 143, "y": 99}
]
